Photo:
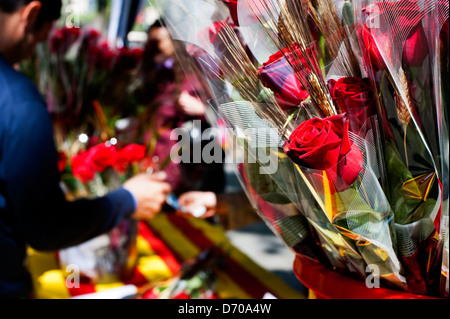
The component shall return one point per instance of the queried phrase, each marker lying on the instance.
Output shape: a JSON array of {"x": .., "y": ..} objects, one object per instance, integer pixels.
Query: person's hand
[
  {"x": 150, "y": 192},
  {"x": 195, "y": 201},
  {"x": 191, "y": 105}
]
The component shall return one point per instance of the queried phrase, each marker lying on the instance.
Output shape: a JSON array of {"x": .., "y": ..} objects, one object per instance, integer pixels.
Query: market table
[{"x": 164, "y": 244}]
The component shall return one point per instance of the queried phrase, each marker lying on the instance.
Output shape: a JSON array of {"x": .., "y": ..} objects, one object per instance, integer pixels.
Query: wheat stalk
[{"x": 326, "y": 107}]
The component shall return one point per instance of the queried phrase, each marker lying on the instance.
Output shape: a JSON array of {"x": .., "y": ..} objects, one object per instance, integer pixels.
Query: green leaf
[
  {"x": 293, "y": 229},
  {"x": 271, "y": 188}
]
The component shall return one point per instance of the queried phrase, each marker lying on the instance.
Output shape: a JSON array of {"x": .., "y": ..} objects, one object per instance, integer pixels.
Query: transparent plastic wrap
[{"x": 350, "y": 225}]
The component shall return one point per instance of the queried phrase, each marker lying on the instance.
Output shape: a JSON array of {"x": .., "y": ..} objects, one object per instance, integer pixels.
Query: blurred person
[{"x": 33, "y": 209}]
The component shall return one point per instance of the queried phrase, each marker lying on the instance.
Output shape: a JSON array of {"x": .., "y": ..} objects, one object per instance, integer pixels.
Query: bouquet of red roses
[
  {"x": 337, "y": 107},
  {"x": 196, "y": 279}
]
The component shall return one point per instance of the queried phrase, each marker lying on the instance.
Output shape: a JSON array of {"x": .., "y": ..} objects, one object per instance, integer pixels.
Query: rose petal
[{"x": 351, "y": 165}]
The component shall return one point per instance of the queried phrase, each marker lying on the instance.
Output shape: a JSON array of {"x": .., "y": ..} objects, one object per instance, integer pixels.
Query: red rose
[
  {"x": 134, "y": 153},
  {"x": 208, "y": 65},
  {"x": 102, "y": 156},
  {"x": 108, "y": 56},
  {"x": 94, "y": 55},
  {"x": 216, "y": 30},
  {"x": 324, "y": 144},
  {"x": 279, "y": 75},
  {"x": 56, "y": 41},
  {"x": 403, "y": 15},
  {"x": 232, "y": 6},
  {"x": 443, "y": 7},
  {"x": 62, "y": 161},
  {"x": 415, "y": 49},
  {"x": 218, "y": 35},
  {"x": 91, "y": 38},
  {"x": 81, "y": 167},
  {"x": 444, "y": 35},
  {"x": 182, "y": 295},
  {"x": 101, "y": 55},
  {"x": 355, "y": 97}
]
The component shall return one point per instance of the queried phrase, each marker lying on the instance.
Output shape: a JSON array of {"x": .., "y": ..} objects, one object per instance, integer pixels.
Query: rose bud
[
  {"x": 91, "y": 38},
  {"x": 62, "y": 39},
  {"x": 415, "y": 49},
  {"x": 377, "y": 62},
  {"x": 128, "y": 59},
  {"x": 56, "y": 41}
]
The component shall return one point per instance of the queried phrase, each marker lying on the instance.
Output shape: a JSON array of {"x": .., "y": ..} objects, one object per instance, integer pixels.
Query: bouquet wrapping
[{"x": 195, "y": 280}]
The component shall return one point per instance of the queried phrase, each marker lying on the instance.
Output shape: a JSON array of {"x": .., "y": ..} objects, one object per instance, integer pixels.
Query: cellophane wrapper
[{"x": 406, "y": 54}]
